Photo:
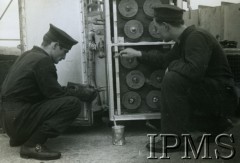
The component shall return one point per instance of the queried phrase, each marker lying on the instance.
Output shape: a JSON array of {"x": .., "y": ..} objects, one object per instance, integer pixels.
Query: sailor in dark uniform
[
  {"x": 34, "y": 105},
  {"x": 197, "y": 94}
]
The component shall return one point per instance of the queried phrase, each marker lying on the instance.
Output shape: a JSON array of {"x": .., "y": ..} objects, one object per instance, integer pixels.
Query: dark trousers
[
  {"x": 45, "y": 119},
  {"x": 188, "y": 107}
]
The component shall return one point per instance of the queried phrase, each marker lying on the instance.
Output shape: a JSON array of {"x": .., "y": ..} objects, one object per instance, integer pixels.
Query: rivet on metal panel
[
  {"x": 135, "y": 79},
  {"x": 148, "y": 7},
  {"x": 128, "y": 8},
  {"x": 131, "y": 100},
  {"x": 156, "y": 78},
  {"x": 153, "y": 30},
  {"x": 129, "y": 63},
  {"x": 133, "y": 29},
  {"x": 153, "y": 99}
]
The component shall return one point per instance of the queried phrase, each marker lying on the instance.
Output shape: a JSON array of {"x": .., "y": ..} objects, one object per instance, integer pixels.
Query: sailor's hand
[
  {"x": 90, "y": 93},
  {"x": 84, "y": 92},
  {"x": 129, "y": 52}
]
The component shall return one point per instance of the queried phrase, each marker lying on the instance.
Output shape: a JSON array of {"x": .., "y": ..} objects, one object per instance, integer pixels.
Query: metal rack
[{"x": 112, "y": 48}]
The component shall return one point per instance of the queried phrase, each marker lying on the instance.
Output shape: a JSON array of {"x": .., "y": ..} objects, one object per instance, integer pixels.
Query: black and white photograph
[{"x": 119, "y": 81}]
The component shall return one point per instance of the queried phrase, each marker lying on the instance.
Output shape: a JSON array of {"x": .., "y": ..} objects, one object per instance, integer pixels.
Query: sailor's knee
[
  {"x": 170, "y": 79},
  {"x": 74, "y": 103},
  {"x": 174, "y": 82}
]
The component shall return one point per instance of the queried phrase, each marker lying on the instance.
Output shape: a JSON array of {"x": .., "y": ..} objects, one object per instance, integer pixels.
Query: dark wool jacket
[
  {"x": 197, "y": 56},
  {"x": 32, "y": 78}
]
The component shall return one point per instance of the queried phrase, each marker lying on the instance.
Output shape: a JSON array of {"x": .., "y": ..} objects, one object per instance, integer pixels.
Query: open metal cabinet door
[{"x": 35, "y": 17}]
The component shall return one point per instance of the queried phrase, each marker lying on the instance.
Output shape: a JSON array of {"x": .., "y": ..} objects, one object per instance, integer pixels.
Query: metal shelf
[
  {"x": 141, "y": 43},
  {"x": 137, "y": 116}
]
